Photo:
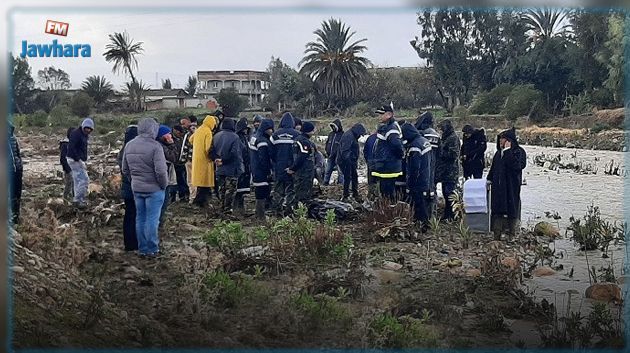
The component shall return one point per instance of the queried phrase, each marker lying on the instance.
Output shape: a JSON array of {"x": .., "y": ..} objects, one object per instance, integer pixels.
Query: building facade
[{"x": 250, "y": 84}]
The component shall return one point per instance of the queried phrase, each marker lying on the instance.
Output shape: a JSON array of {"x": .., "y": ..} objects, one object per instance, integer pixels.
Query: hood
[
  {"x": 510, "y": 135},
  {"x": 210, "y": 122},
  {"x": 148, "y": 127},
  {"x": 70, "y": 129},
  {"x": 87, "y": 122},
  {"x": 258, "y": 119},
  {"x": 409, "y": 132},
  {"x": 241, "y": 125},
  {"x": 468, "y": 129},
  {"x": 335, "y": 126},
  {"x": 479, "y": 132},
  {"x": 425, "y": 121},
  {"x": 447, "y": 127},
  {"x": 358, "y": 130},
  {"x": 264, "y": 126},
  {"x": 228, "y": 124},
  {"x": 287, "y": 121},
  {"x": 131, "y": 133}
]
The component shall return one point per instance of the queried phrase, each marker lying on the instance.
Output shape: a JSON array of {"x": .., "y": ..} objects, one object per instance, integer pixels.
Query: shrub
[
  {"x": 360, "y": 109},
  {"x": 37, "y": 119},
  {"x": 229, "y": 291},
  {"x": 61, "y": 115},
  {"x": 602, "y": 98},
  {"x": 81, "y": 104},
  {"x": 579, "y": 104},
  {"x": 321, "y": 309},
  {"x": 387, "y": 331},
  {"x": 491, "y": 102},
  {"x": 524, "y": 100},
  {"x": 599, "y": 127},
  {"x": 172, "y": 117}
]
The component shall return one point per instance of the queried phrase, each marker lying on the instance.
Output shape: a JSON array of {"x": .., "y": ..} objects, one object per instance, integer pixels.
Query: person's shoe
[
  {"x": 358, "y": 198},
  {"x": 80, "y": 205},
  {"x": 346, "y": 199},
  {"x": 260, "y": 210}
]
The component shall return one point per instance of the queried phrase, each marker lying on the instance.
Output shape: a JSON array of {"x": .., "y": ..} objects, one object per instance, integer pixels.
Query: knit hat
[
  {"x": 87, "y": 122},
  {"x": 307, "y": 126},
  {"x": 163, "y": 130},
  {"x": 468, "y": 129}
]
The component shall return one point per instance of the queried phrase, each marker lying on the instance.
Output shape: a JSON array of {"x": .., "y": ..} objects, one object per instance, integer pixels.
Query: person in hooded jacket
[
  {"x": 77, "y": 158},
  {"x": 388, "y": 153},
  {"x": 145, "y": 165},
  {"x": 473, "y": 152},
  {"x": 171, "y": 153},
  {"x": 254, "y": 131},
  {"x": 505, "y": 178},
  {"x": 447, "y": 167},
  {"x": 297, "y": 122},
  {"x": 202, "y": 165},
  {"x": 348, "y": 160},
  {"x": 242, "y": 186},
  {"x": 368, "y": 155},
  {"x": 303, "y": 168},
  {"x": 130, "y": 240},
  {"x": 184, "y": 151},
  {"x": 418, "y": 151},
  {"x": 16, "y": 174},
  {"x": 424, "y": 125},
  {"x": 332, "y": 147},
  {"x": 68, "y": 191},
  {"x": 282, "y": 140},
  {"x": 261, "y": 154},
  {"x": 228, "y": 158}
]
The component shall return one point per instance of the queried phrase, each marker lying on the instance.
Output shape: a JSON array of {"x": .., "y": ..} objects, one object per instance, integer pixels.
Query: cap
[{"x": 384, "y": 109}]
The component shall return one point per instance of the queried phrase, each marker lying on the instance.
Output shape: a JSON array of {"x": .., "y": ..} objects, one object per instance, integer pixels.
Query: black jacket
[
  {"x": 63, "y": 152},
  {"x": 242, "y": 130},
  {"x": 447, "y": 166},
  {"x": 282, "y": 140},
  {"x": 303, "y": 155},
  {"x": 334, "y": 139},
  {"x": 78, "y": 145},
  {"x": 474, "y": 149},
  {"x": 388, "y": 151},
  {"x": 348, "y": 154},
  {"x": 130, "y": 133},
  {"x": 261, "y": 153},
  {"x": 226, "y": 146},
  {"x": 418, "y": 159},
  {"x": 506, "y": 175}
]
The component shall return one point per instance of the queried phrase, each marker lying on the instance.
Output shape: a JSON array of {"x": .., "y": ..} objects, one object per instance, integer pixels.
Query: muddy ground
[{"x": 371, "y": 280}]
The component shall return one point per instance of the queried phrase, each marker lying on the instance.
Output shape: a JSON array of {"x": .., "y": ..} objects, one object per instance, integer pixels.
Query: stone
[
  {"x": 17, "y": 269},
  {"x": 606, "y": 291},
  {"x": 546, "y": 229},
  {"x": 95, "y": 188},
  {"x": 511, "y": 263},
  {"x": 393, "y": 266},
  {"x": 569, "y": 145},
  {"x": 544, "y": 271},
  {"x": 130, "y": 282},
  {"x": 31, "y": 262}
]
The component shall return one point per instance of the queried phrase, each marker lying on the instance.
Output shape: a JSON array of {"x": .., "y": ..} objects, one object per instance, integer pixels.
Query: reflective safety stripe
[
  {"x": 262, "y": 144},
  {"x": 243, "y": 190},
  {"x": 262, "y": 183},
  {"x": 431, "y": 135},
  {"x": 417, "y": 149},
  {"x": 400, "y": 183},
  {"x": 387, "y": 175},
  {"x": 302, "y": 149},
  {"x": 253, "y": 148},
  {"x": 426, "y": 193},
  {"x": 426, "y": 150},
  {"x": 275, "y": 142},
  {"x": 380, "y": 137},
  {"x": 392, "y": 131}
]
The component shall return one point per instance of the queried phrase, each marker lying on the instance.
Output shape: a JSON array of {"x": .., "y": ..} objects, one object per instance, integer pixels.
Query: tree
[
  {"x": 122, "y": 51},
  {"x": 287, "y": 86},
  {"x": 166, "y": 84},
  {"x": 22, "y": 84},
  {"x": 612, "y": 55},
  {"x": 81, "y": 104},
  {"x": 334, "y": 63},
  {"x": 590, "y": 30},
  {"x": 231, "y": 102},
  {"x": 136, "y": 93},
  {"x": 191, "y": 87},
  {"x": 546, "y": 23},
  {"x": 98, "y": 88},
  {"x": 53, "y": 79}
]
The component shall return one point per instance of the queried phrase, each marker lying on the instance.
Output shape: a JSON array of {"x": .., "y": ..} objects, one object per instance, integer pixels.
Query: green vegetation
[
  {"x": 229, "y": 291},
  {"x": 321, "y": 310},
  {"x": 388, "y": 331}
]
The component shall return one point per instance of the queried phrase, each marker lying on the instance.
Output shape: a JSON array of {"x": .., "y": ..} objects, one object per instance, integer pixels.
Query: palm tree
[
  {"x": 122, "y": 51},
  {"x": 166, "y": 84},
  {"x": 136, "y": 93},
  {"x": 333, "y": 62},
  {"x": 191, "y": 88},
  {"x": 547, "y": 23},
  {"x": 98, "y": 88}
]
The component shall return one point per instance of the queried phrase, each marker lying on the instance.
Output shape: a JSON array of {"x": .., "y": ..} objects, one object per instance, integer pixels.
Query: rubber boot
[
  {"x": 260, "y": 210},
  {"x": 239, "y": 206}
]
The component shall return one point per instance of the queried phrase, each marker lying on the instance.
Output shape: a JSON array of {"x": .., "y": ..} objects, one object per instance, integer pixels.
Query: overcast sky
[{"x": 178, "y": 45}]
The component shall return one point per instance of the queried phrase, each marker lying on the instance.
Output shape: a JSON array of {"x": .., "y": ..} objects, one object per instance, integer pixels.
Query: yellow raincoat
[{"x": 202, "y": 165}]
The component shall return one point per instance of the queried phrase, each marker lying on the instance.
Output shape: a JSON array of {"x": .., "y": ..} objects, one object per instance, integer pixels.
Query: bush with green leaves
[
  {"x": 491, "y": 102},
  {"x": 388, "y": 331},
  {"x": 61, "y": 115},
  {"x": 37, "y": 119},
  {"x": 460, "y": 112},
  {"x": 229, "y": 291},
  {"x": 227, "y": 236},
  {"x": 599, "y": 127},
  {"x": 524, "y": 100},
  {"x": 602, "y": 98},
  {"x": 321, "y": 309},
  {"x": 578, "y": 104},
  {"x": 81, "y": 104}
]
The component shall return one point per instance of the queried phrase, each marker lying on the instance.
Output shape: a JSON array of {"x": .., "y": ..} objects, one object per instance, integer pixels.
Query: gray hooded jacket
[{"x": 143, "y": 160}]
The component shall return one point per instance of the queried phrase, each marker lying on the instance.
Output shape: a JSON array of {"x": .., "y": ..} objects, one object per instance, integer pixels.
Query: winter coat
[
  {"x": 185, "y": 149},
  {"x": 78, "y": 145},
  {"x": 261, "y": 152},
  {"x": 14, "y": 150},
  {"x": 63, "y": 154},
  {"x": 282, "y": 140},
  {"x": 226, "y": 146},
  {"x": 348, "y": 155},
  {"x": 143, "y": 160},
  {"x": 125, "y": 189},
  {"x": 447, "y": 166},
  {"x": 424, "y": 125},
  {"x": 171, "y": 153},
  {"x": 242, "y": 130},
  {"x": 303, "y": 155},
  {"x": 388, "y": 151},
  {"x": 368, "y": 150},
  {"x": 202, "y": 166},
  {"x": 506, "y": 176},
  {"x": 473, "y": 150},
  {"x": 418, "y": 159},
  {"x": 334, "y": 139}
]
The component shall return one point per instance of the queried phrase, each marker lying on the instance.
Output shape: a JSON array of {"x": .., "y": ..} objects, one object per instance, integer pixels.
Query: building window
[{"x": 215, "y": 84}]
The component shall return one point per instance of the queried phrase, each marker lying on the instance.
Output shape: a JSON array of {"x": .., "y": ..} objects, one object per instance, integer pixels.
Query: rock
[
  {"x": 130, "y": 282},
  {"x": 254, "y": 251},
  {"x": 393, "y": 266},
  {"x": 454, "y": 262},
  {"x": 133, "y": 270},
  {"x": 511, "y": 263},
  {"x": 546, "y": 229},
  {"x": 604, "y": 291},
  {"x": 17, "y": 269},
  {"x": 473, "y": 272},
  {"x": 544, "y": 271},
  {"x": 31, "y": 262},
  {"x": 95, "y": 188}
]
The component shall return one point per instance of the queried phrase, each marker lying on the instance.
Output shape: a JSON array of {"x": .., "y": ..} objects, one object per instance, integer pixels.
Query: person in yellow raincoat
[{"x": 202, "y": 165}]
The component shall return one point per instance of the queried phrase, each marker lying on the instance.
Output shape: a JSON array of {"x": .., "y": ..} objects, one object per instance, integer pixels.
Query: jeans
[
  {"x": 448, "y": 188},
  {"x": 129, "y": 225},
  {"x": 148, "y": 206},
  {"x": 80, "y": 179},
  {"x": 330, "y": 167}
]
